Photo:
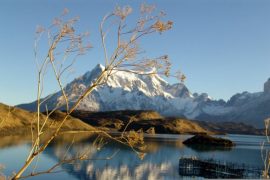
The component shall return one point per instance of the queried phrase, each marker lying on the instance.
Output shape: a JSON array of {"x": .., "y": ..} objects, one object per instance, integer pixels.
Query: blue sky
[{"x": 222, "y": 46}]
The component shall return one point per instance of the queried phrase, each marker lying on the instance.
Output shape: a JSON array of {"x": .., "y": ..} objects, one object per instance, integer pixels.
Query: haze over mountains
[{"x": 124, "y": 91}]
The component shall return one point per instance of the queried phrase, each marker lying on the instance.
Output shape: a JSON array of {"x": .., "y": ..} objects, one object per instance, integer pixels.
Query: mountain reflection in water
[{"x": 161, "y": 161}]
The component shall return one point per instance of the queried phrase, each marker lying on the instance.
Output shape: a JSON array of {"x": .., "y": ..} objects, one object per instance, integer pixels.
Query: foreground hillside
[{"x": 15, "y": 121}]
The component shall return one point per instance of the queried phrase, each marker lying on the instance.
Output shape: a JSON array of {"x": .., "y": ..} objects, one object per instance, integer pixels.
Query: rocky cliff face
[{"x": 124, "y": 91}]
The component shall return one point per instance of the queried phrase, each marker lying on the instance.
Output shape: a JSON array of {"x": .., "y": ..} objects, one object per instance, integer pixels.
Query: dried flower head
[
  {"x": 141, "y": 155},
  {"x": 162, "y": 13},
  {"x": 40, "y": 29},
  {"x": 89, "y": 45},
  {"x": 129, "y": 50},
  {"x": 141, "y": 23},
  {"x": 74, "y": 20},
  {"x": 122, "y": 12},
  {"x": 67, "y": 30},
  {"x": 57, "y": 21},
  {"x": 65, "y": 11},
  {"x": 183, "y": 78},
  {"x": 162, "y": 26},
  {"x": 145, "y": 8},
  {"x": 180, "y": 76},
  {"x": 135, "y": 138}
]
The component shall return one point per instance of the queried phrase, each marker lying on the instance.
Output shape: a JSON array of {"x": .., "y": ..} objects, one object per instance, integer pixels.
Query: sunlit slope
[{"x": 14, "y": 120}]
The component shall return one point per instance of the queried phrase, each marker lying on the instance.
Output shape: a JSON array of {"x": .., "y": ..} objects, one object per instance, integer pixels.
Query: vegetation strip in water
[{"x": 215, "y": 169}]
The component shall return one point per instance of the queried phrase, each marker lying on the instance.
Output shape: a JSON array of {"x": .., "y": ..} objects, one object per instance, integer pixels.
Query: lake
[{"x": 161, "y": 161}]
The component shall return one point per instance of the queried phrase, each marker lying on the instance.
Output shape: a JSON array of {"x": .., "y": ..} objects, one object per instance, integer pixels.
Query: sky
[{"x": 222, "y": 46}]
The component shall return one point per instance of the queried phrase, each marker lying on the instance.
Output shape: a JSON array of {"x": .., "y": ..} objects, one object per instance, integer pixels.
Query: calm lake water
[{"x": 161, "y": 161}]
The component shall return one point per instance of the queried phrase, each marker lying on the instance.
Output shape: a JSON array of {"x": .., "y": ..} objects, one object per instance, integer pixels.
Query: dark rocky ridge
[
  {"x": 151, "y": 119},
  {"x": 231, "y": 128},
  {"x": 148, "y": 121}
]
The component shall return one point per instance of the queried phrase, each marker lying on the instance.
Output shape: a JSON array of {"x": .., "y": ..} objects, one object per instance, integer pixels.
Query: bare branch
[{"x": 123, "y": 58}]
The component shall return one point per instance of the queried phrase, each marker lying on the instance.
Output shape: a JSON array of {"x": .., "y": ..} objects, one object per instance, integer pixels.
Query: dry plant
[
  {"x": 265, "y": 152},
  {"x": 66, "y": 45}
]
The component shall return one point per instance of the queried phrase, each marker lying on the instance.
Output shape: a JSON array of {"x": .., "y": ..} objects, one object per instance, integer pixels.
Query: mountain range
[{"x": 131, "y": 91}]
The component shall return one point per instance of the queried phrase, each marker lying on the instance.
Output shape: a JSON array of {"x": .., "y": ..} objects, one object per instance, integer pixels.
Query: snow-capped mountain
[{"x": 125, "y": 90}]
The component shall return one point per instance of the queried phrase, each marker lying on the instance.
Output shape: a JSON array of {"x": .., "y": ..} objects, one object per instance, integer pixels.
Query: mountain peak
[
  {"x": 94, "y": 73},
  {"x": 267, "y": 86},
  {"x": 99, "y": 67},
  {"x": 132, "y": 91}
]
